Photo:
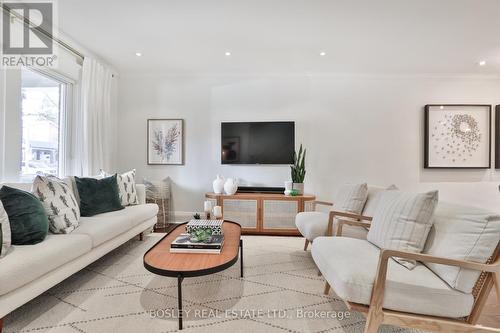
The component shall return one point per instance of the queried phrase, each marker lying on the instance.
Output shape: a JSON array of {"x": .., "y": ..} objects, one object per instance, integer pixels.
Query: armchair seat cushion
[
  {"x": 315, "y": 224},
  {"x": 350, "y": 267}
]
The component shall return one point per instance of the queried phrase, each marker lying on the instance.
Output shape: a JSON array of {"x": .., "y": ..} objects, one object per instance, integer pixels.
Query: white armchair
[
  {"x": 315, "y": 224},
  {"x": 445, "y": 292}
]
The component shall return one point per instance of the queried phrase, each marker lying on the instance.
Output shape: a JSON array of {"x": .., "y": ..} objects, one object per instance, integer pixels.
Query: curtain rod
[{"x": 65, "y": 45}]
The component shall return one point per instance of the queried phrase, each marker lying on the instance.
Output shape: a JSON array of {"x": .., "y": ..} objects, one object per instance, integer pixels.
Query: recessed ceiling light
[
  {"x": 139, "y": 54},
  {"x": 482, "y": 63},
  {"x": 227, "y": 53},
  {"x": 441, "y": 107},
  {"x": 322, "y": 54}
]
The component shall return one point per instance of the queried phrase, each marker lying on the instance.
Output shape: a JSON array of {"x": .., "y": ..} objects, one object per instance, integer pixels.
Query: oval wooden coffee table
[{"x": 159, "y": 260}]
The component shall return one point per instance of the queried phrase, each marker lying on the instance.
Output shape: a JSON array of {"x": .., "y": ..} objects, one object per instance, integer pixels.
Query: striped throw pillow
[
  {"x": 351, "y": 198},
  {"x": 402, "y": 221}
]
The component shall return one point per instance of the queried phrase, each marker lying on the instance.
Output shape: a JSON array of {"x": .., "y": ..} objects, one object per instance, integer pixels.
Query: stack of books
[{"x": 183, "y": 244}]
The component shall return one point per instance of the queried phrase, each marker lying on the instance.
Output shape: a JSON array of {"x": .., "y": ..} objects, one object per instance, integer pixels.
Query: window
[{"x": 43, "y": 106}]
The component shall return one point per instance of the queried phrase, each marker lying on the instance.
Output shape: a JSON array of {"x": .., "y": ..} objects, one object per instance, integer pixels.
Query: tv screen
[{"x": 258, "y": 142}]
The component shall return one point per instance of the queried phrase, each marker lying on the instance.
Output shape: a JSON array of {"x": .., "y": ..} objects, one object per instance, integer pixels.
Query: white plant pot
[{"x": 299, "y": 187}]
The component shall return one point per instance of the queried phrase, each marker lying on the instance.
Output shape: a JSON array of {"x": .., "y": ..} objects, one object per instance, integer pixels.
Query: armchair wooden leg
[
  {"x": 373, "y": 321},
  {"x": 496, "y": 276},
  {"x": 306, "y": 244},
  {"x": 327, "y": 288},
  {"x": 141, "y": 238}
]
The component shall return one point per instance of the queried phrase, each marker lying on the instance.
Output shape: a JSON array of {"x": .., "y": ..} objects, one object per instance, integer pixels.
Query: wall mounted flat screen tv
[{"x": 258, "y": 142}]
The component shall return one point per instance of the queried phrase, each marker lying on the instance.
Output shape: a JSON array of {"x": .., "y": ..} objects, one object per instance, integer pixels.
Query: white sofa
[
  {"x": 441, "y": 285},
  {"x": 29, "y": 270}
]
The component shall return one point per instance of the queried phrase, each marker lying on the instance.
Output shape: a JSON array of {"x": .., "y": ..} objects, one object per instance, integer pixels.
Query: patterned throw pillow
[
  {"x": 126, "y": 186},
  {"x": 402, "y": 221},
  {"x": 5, "y": 238},
  {"x": 59, "y": 202}
]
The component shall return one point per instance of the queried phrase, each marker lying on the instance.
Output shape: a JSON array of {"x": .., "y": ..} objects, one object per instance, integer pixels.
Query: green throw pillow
[
  {"x": 28, "y": 221},
  {"x": 98, "y": 195}
]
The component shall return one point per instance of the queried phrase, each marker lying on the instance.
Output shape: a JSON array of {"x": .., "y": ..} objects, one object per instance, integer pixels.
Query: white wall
[{"x": 356, "y": 128}]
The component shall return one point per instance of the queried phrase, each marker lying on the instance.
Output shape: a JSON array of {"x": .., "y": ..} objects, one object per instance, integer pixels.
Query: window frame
[{"x": 66, "y": 108}]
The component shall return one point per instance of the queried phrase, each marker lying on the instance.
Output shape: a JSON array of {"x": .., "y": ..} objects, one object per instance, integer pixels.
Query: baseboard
[{"x": 182, "y": 216}]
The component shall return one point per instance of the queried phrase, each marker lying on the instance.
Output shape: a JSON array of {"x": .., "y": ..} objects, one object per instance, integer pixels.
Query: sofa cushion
[
  {"x": 402, "y": 222},
  {"x": 27, "y": 217},
  {"x": 25, "y": 263},
  {"x": 315, "y": 224},
  {"x": 104, "y": 227},
  {"x": 463, "y": 233},
  {"x": 59, "y": 202},
  {"x": 312, "y": 224},
  {"x": 350, "y": 266}
]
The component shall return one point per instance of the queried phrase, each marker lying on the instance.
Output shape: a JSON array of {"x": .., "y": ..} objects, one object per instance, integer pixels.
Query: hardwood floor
[{"x": 491, "y": 313}]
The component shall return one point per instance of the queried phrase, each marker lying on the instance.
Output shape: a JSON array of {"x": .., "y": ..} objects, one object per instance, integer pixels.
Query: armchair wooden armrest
[
  {"x": 324, "y": 203},
  {"x": 376, "y": 315},
  {"x": 340, "y": 224},
  {"x": 334, "y": 214},
  {"x": 494, "y": 267}
]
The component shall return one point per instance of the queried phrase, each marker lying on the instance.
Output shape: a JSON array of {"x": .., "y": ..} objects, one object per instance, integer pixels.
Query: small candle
[
  {"x": 218, "y": 212},
  {"x": 207, "y": 206}
]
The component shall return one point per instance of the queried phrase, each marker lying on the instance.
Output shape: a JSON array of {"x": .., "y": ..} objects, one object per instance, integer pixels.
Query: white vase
[
  {"x": 218, "y": 185},
  {"x": 231, "y": 186}
]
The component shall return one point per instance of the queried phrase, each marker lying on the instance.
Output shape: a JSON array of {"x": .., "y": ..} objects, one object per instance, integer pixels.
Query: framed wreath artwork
[
  {"x": 165, "y": 141},
  {"x": 457, "y": 136}
]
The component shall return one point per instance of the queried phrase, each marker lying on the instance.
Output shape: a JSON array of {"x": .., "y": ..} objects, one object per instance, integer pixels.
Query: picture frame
[
  {"x": 165, "y": 141},
  {"x": 457, "y": 136},
  {"x": 497, "y": 137}
]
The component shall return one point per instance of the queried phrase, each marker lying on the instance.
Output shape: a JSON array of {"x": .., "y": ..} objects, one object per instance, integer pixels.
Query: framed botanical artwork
[
  {"x": 165, "y": 141},
  {"x": 457, "y": 136}
]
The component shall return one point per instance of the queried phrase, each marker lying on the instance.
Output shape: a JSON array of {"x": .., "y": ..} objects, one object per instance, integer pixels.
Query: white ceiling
[{"x": 286, "y": 36}]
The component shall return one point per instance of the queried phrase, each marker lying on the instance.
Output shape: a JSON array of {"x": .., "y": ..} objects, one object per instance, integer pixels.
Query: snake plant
[{"x": 299, "y": 166}]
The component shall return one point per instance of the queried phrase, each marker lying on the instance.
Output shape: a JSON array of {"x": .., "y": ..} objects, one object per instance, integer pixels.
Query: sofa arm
[{"x": 141, "y": 193}]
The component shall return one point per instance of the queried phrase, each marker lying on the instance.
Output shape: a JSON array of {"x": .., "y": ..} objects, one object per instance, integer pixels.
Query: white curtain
[{"x": 93, "y": 124}]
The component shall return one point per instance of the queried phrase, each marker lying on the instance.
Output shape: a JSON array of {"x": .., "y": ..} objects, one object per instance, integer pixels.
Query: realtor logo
[{"x": 27, "y": 33}]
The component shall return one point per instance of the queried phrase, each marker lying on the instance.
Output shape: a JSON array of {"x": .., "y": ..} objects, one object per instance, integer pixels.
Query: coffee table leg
[
  {"x": 241, "y": 256},
  {"x": 179, "y": 296}
]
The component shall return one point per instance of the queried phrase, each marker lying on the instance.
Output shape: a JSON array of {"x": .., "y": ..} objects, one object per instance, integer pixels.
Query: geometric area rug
[{"x": 281, "y": 292}]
